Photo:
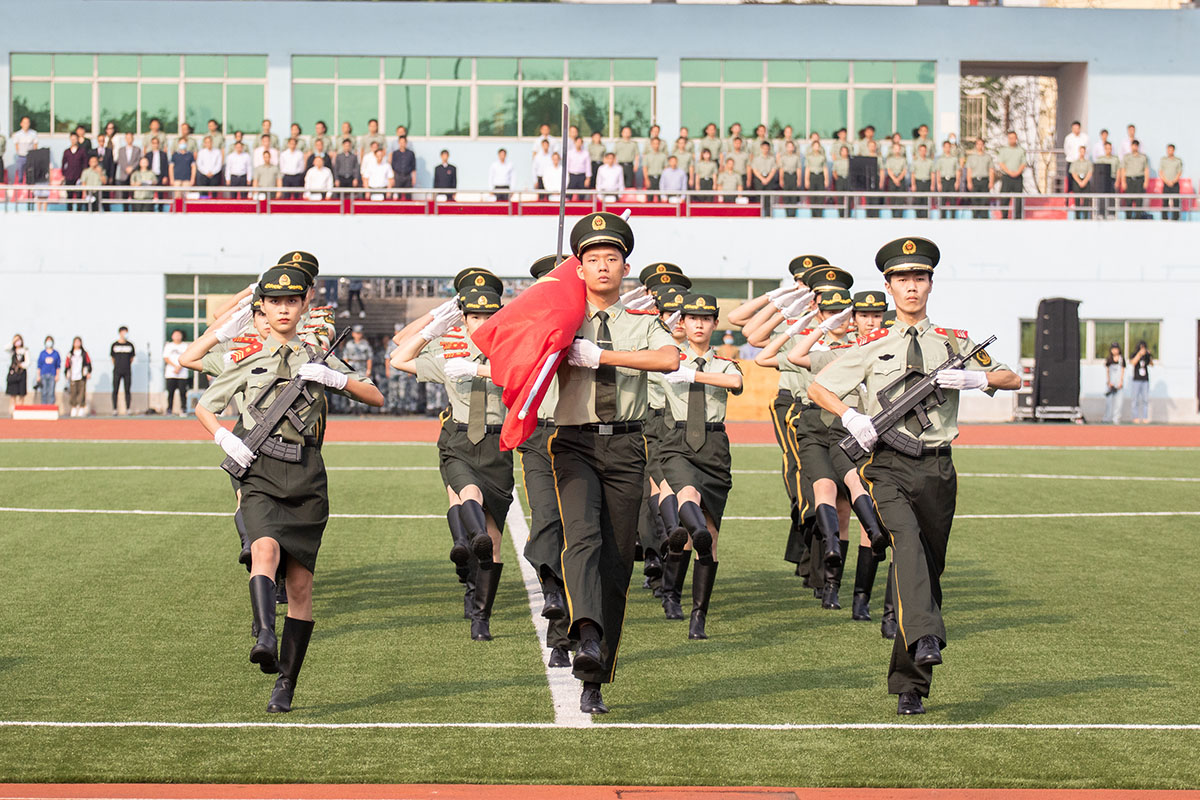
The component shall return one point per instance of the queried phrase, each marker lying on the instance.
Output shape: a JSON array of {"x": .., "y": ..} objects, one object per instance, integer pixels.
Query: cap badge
[
  {"x": 661, "y": 268},
  {"x": 837, "y": 298},
  {"x": 700, "y": 303},
  {"x": 871, "y": 299},
  {"x": 296, "y": 257},
  {"x": 285, "y": 279},
  {"x": 598, "y": 223},
  {"x": 807, "y": 262},
  {"x": 830, "y": 275},
  {"x": 664, "y": 278},
  {"x": 479, "y": 280},
  {"x": 909, "y": 247}
]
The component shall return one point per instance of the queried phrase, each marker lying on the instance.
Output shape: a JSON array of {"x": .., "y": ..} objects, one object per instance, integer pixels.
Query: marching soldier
[
  {"x": 915, "y": 496},
  {"x": 695, "y": 449},
  {"x": 284, "y": 504},
  {"x": 598, "y": 449}
]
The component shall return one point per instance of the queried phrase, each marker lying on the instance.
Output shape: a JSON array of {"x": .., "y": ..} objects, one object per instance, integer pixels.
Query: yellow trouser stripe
[
  {"x": 862, "y": 474},
  {"x": 558, "y": 497}
]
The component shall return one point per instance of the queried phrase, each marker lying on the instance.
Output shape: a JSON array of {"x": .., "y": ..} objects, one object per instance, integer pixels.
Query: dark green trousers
[
  {"x": 544, "y": 548},
  {"x": 785, "y": 438},
  {"x": 915, "y": 498},
  {"x": 600, "y": 482}
]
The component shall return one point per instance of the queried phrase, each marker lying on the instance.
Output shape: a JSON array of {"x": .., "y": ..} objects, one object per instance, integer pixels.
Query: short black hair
[
  {"x": 1135, "y": 141},
  {"x": 1171, "y": 146},
  {"x": 122, "y": 329},
  {"x": 214, "y": 122},
  {"x": 177, "y": 330},
  {"x": 321, "y": 122},
  {"x": 444, "y": 153},
  {"x": 1077, "y": 122},
  {"x": 1104, "y": 130},
  {"x": 372, "y": 120}
]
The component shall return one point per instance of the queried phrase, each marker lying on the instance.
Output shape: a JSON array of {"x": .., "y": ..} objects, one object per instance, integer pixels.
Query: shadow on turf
[{"x": 997, "y": 696}]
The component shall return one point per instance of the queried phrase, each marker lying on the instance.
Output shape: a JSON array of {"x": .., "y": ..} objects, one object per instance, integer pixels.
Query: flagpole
[{"x": 562, "y": 195}]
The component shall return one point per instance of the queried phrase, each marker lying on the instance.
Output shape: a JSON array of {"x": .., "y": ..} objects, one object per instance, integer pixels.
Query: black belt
[
  {"x": 280, "y": 449},
  {"x": 926, "y": 450},
  {"x": 657, "y": 412},
  {"x": 708, "y": 426},
  {"x": 545, "y": 423},
  {"x": 785, "y": 393},
  {"x": 610, "y": 428},
  {"x": 462, "y": 427}
]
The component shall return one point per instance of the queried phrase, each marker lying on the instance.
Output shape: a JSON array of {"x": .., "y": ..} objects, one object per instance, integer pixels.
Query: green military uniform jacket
[
  {"x": 922, "y": 169},
  {"x": 714, "y": 146},
  {"x": 596, "y": 151},
  {"x": 218, "y": 139},
  {"x": 1012, "y": 158},
  {"x": 879, "y": 359},
  {"x": 150, "y": 136},
  {"x": 1135, "y": 165},
  {"x": 368, "y": 138},
  {"x": 143, "y": 177},
  {"x": 715, "y": 397},
  {"x": 729, "y": 181},
  {"x": 979, "y": 164},
  {"x": 897, "y": 166},
  {"x": 741, "y": 159},
  {"x": 1112, "y": 162},
  {"x": 683, "y": 158},
  {"x": 815, "y": 162},
  {"x": 630, "y": 330},
  {"x": 763, "y": 165},
  {"x": 328, "y": 140},
  {"x": 625, "y": 151},
  {"x": 1169, "y": 167},
  {"x": 705, "y": 169},
  {"x": 841, "y": 168},
  {"x": 1081, "y": 169},
  {"x": 431, "y": 368},
  {"x": 946, "y": 166},
  {"x": 789, "y": 163},
  {"x": 91, "y": 178},
  {"x": 653, "y": 162}
]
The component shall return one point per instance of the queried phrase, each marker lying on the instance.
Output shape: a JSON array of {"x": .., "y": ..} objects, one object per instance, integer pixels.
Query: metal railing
[{"x": 692, "y": 203}]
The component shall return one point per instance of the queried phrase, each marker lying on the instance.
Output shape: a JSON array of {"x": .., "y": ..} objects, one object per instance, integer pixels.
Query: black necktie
[
  {"x": 693, "y": 432},
  {"x": 606, "y": 374},
  {"x": 477, "y": 415},
  {"x": 914, "y": 360}
]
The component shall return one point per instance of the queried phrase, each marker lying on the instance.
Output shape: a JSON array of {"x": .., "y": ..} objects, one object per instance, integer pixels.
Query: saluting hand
[
  {"x": 961, "y": 379},
  {"x": 584, "y": 353},
  {"x": 445, "y": 317},
  {"x": 235, "y": 324},
  {"x": 319, "y": 373},
  {"x": 799, "y": 324},
  {"x": 798, "y": 304},
  {"x": 836, "y": 321},
  {"x": 234, "y": 447}
]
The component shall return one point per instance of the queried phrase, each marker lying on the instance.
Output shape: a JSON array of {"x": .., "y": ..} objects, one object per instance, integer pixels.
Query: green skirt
[
  {"x": 484, "y": 465},
  {"x": 815, "y": 444},
  {"x": 288, "y": 503},
  {"x": 707, "y": 470}
]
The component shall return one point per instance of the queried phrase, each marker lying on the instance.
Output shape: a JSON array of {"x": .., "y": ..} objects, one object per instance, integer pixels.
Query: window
[
  {"x": 59, "y": 91},
  {"x": 820, "y": 96},
  {"x": 474, "y": 97},
  {"x": 1097, "y": 335}
]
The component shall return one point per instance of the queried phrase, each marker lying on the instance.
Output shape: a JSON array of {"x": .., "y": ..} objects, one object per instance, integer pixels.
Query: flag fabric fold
[{"x": 539, "y": 324}]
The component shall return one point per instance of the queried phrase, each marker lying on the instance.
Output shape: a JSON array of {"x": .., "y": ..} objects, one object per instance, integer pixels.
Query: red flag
[{"x": 539, "y": 324}]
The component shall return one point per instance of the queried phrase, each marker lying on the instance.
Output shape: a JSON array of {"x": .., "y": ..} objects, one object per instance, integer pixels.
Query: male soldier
[
  {"x": 654, "y": 160},
  {"x": 896, "y": 175},
  {"x": 596, "y": 150},
  {"x": 922, "y": 177},
  {"x": 1106, "y": 182},
  {"x": 981, "y": 175},
  {"x": 1132, "y": 178},
  {"x": 949, "y": 177},
  {"x": 684, "y": 160},
  {"x": 741, "y": 160},
  {"x": 1012, "y": 167},
  {"x": 914, "y": 495},
  {"x": 1170, "y": 169},
  {"x": 626, "y": 151},
  {"x": 598, "y": 450}
]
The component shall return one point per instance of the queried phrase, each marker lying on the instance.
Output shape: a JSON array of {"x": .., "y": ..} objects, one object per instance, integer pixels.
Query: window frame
[{"x": 1087, "y": 346}]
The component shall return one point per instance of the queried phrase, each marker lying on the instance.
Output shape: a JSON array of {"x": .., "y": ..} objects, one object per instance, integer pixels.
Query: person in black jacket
[
  {"x": 404, "y": 165},
  {"x": 445, "y": 175}
]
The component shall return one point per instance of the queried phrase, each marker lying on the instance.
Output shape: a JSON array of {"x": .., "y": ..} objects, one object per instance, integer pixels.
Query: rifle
[
  {"x": 923, "y": 395},
  {"x": 283, "y": 407}
]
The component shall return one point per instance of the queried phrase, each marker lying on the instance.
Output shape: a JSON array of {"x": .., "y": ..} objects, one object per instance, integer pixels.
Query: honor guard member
[
  {"x": 695, "y": 448},
  {"x": 284, "y": 501},
  {"x": 543, "y": 550},
  {"x": 477, "y": 474},
  {"x": 598, "y": 449},
  {"x": 915, "y": 496}
]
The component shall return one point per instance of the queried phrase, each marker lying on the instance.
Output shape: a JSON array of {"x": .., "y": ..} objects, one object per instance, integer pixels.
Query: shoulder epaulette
[
  {"x": 456, "y": 355},
  {"x": 805, "y": 332},
  {"x": 455, "y": 346},
  {"x": 947, "y": 331},
  {"x": 641, "y": 312},
  {"x": 320, "y": 309},
  {"x": 682, "y": 356},
  {"x": 841, "y": 346},
  {"x": 249, "y": 346},
  {"x": 723, "y": 358},
  {"x": 874, "y": 336}
]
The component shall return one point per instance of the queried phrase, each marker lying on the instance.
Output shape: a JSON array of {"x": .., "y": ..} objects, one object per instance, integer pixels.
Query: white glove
[
  {"x": 644, "y": 303},
  {"x": 681, "y": 375},
  {"x": 782, "y": 301},
  {"x": 672, "y": 321},
  {"x": 791, "y": 287},
  {"x": 631, "y": 295},
  {"x": 235, "y": 324},
  {"x": 457, "y": 368},
  {"x": 800, "y": 324},
  {"x": 319, "y": 373},
  {"x": 836, "y": 321},
  {"x": 584, "y": 353},
  {"x": 445, "y": 317},
  {"x": 234, "y": 447},
  {"x": 961, "y": 379},
  {"x": 861, "y": 428},
  {"x": 798, "y": 306},
  {"x": 249, "y": 298}
]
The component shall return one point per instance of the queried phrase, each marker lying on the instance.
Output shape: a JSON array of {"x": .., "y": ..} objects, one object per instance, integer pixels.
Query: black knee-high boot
[
  {"x": 475, "y": 523},
  {"x": 262, "y": 605},
  {"x": 239, "y": 522},
  {"x": 816, "y": 560},
  {"x": 864, "y": 509},
  {"x": 864, "y": 582},
  {"x": 674, "y": 575},
  {"x": 827, "y": 523},
  {"x": 694, "y": 525},
  {"x": 833, "y": 577},
  {"x": 887, "y": 628},
  {"x": 292, "y": 649},
  {"x": 460, "y": 551},
  {"x": 486, "y": 583},
  {"x": 668, "y": 509},
  {"x": 702, "y": 586},
  {"x": 653, "y": 554},
  {"x": 467, "y": 576}
]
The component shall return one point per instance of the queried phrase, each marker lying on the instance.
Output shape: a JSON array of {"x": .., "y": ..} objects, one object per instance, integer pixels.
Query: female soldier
[
  {"x": 789, "y": 171},
  {"x": 284, "y": 503},
  {"x": 695, "y": 448},
  {"x": 478, "y": 476}
]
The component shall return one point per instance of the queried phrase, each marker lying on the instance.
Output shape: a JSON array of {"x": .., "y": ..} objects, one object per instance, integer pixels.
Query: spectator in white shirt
[
  {"x": 1098, "y": 148},
  {"x": 579, "y": 167},
  {"x": 238, "y": 167},
  {"x": 540, "y": 160},
  {"x": 500, "y": 176},
  {"x": 1130, "y": 137},
  {"x": 208, "y": 164},
  {"x": 1074, "y": 140},
  {"x": 265, "y": 147},
  {"x": 544, "y": 136},
  {"x": 551, "y": 176},
  {"x": 318, "y": 180},
  {"x": 610, "y": 178},
  {"x": 175, "y": 374},
  {"x": 23, "y": 140},
  {"x": 291, "y": 165},
  {"x": 377, "y": 174}
]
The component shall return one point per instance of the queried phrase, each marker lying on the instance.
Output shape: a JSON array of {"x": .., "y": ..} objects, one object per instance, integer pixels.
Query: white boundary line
[
  {"x": 1063, "y": 515},
  {"x": 198, "y": 467},
  {"x": 564, "y": 689},
  {"x": 1027, "y": 475},
  {"x": 192, "y": 441},
  {"x": 698, "y": 726}
]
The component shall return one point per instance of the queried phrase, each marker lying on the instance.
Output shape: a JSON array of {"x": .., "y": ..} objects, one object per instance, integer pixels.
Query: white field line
[
  {"x": 1063, "y": 515},
  {"x": 699, "y": 726},
  {"x": 194, "y": 441},
  {"x": 1028, "y": 475},
  {"x": 564, "y": 689},
  {"x": 195, "y": 468}
]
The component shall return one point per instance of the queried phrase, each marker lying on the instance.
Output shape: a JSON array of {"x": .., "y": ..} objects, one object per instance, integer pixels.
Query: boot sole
[
  {"x": 554, "y": 613},
  {"x": 267, "y": 662},
  {"x": 653, "y": 571},
  {"x": 482, "y": 545},
  {"x": 928, "y": 661},
  {"x": 702, "y": 544},
  {"x": 585, "y": 663},
  {"x": 460, "y": 555},
  {"x": 678, "y": 540}
]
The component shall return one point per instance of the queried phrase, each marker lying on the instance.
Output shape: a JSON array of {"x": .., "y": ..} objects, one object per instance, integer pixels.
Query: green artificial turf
[{"x": 145, "y": 618}]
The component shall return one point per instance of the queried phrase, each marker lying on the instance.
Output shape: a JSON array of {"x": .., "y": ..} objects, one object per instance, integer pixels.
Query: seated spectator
[
  {"x": 266, "y": 176},
  {"x": 238, "y": 168},
  {"x": 93, "y": 178},
  {"x": 673, "y": 181},
  {"x": 445, "y": 176},
  {"x": 208, "y": 164},
  {"x": 500, "y": 176},
  {"x": 182, "y": 169},
  {"x": 345, "y": 165},
  {"x": 610, "y": 178},
  {"x": 143, "y": 177},
  {"x": 403, "y": 166},
  {"x": 378, "y": 174},
  {"x": 263, "y": 148},
  {"x": 318, "y": 180}
]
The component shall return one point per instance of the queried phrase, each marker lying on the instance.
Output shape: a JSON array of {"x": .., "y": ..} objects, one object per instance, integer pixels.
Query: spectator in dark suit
[
  {"x": 345, "y": 166},
  {"x": 74, "y": 162},
  {"x": 445, "y": 175},
  {"x": 404, "y": 164}
]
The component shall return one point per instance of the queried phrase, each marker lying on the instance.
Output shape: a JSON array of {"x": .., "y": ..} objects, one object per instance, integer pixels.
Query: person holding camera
[
  {"x": 1140, "y": 380},
  {"x": 1114, "y": 366}
]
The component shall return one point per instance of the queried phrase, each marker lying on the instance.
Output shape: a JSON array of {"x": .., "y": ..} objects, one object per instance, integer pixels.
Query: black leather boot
[
  {"x": 668, "y": 509},
  {"x": 475, "y": 523},
  {"x": 864, "y": 509},
  {"x": 702, "y": 587},
  {"x": 467, "y": 576},
  {"x": 460, "y": 551},
  {"x": 676, "y": 570},
  {"x": 262, "y": 605},
  {"x": 554, "y": 602},
  {"x": 239, "y": 522},
  {"x": 486, "y": 583},
  {"x": 653, "y": 564},
  {"x": 864, "y": 582},
  {"x": 692, "y": 518},
  {"x": 292, "y": 649},
  {"x": 887, "y": 628},
  {"x": 833, "y": 578},
  {"x": 827, "y": 523}
]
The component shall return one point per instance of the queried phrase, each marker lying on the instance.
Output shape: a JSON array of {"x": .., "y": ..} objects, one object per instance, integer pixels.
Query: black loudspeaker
[
  {"x": 1056, "y": 363},
  {"x": 37, "y": 166},
  {"x": 864, "y": 174},
  {"x": 1102, "y": 179}
]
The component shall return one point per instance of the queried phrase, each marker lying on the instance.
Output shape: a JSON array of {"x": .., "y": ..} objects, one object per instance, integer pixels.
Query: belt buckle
[{"x": 604, "y": 429}]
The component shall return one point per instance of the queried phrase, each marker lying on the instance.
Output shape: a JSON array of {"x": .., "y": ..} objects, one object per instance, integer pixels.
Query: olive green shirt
[
  {"x": 328, "y": 140},
  {"x": 653, "y": 163},
  {"x": 780, "y": 145},
  {"x": 577, "y": 385},
  {"x": 862, "y": 147},
  {"x": 922, "y": 169},
  {"x": 819, "y": 360},
  {"x": 880, "y": 361},
  {"x": 626, "y": 151},
  {"x": 794, "y": 377},
  {"x": 92, "y": 177},
  {"x": 705, "y": 169},
  {"x": 143, "y": 177},
  {"x": 683, "y": 158},
  {"x": 740, "y": 160},
  {"x": 1169, "y": 167},
  {"x": 431, "y": 368},
  {"x": 841, "y": 168},
  {"x": 218, "y": 139},
  {"x": 656, "y": 388},
  {"x": 755, "y": 146},
  {"x": 930, "y": 149},
  {"x": 729, "y": 181},
  {"x": 192, "y": 144},
  {"x": 368, "y": 138},
  {"x": 1012, "y": 158},
  {"x": 714, "y": 146},
  {"x": 946, "y": 166},
  {"x": 896, "y": 166},
  {"x": 979, "y": 164},
  {"x": 1134, "y": 165},
  {"x": 790, "y": 162},
  {"x": 301, "y": 143},
  {"x": 1112, "y": 162},
  {"x": 1081, "y": 169},
  {"x": 596, "y": 151},
  {"x": 150, "y": 136},
  {"x": 763, "y": 165},
  {"x": 274, "y": 139},
  {"x": 815, "y": 162},
  {"x": 3, "y": 144},
  {"x": 715, "y": 397},
  {"x": 257, "y": 370},
  {"x": 549, "y": 401}
]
